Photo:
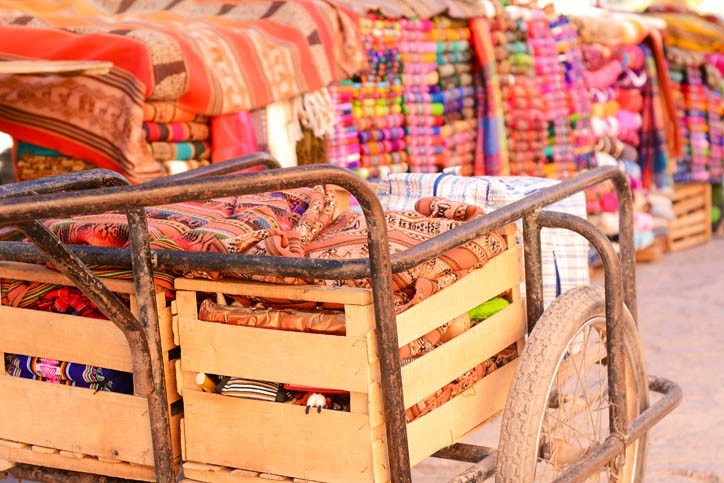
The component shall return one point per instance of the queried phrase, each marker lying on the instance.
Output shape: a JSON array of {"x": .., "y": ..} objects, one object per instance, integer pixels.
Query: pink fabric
[
  {"x": 604, "y": 77},
  {"x": 628, "y": 120}
]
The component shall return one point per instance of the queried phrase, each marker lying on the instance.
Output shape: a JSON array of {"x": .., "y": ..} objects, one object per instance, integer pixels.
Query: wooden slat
[
  {"x": 101, "y": 424},
  {"x": 685, "y": 206},
  {"x": 277, "y": 438},
  {"x": 498, "y": 275},
  {"x": 339, "y": 295},
  {"x": 64, "y": 337},
  {"x": 685, "y": 231},
  {"x": 687, "y": 190},
  {"x": 221, "y": 475},
  {"x": 432, "y": 371},
  {"x": 327, "y": 361},
  {"x": 689, "y": 242},
  {"x": 380, "y": 457},
  {"x": 40, "y": 273},
  {"x": 172, "y": 393},
  {"x": 83, "y": 464},
  {"x": 62, "y": 67},
  {"x": 164, "y": 321},
  {"x": 359, "y": 320},
  {"x": 456, "y": 418},
  {"x": 696, "y": 218}
]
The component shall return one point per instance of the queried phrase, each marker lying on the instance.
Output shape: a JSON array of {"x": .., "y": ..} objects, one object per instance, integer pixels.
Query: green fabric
[{"x": 488, "y": 309}]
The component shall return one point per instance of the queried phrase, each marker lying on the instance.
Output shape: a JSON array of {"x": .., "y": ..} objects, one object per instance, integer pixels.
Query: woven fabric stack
[
  {"x": 714, "y": 71},
  {"x": 578, "y": 103},
  {"x": 180, "y": 140},
  {"x": 423, "y": 103},
  {"x": 692, "y": 110},
  {"x": 344, "y": 148},
  {"x": 524, "y": 106},
  {"x": 549, "y": 73},
  {"x": 377, "y": 102},
  {"x": 457, "y": 92},
  {"x": 33, "y": 162}
]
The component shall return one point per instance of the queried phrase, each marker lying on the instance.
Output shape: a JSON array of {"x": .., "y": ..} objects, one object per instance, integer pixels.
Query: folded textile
[
  {"x": 106, "y": 131},
  {"x": 33, "y": 166},
  {"x": 109, "y": 230},
  {"x": 564, "y": 253},
  {"x": 176, "y": 132},
  {"x": 68, "y": 373},
  {"x": 167, "y": 111},
  {"x": 252, "y": 389},
  {"x": 327, "y": 322},
  {"x": 181, "y": 151}
]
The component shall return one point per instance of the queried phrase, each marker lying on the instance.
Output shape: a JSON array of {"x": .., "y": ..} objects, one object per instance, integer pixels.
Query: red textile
[{"x": 233, "y": 136}]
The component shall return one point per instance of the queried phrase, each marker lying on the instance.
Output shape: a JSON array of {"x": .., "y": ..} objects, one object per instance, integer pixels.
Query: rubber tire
[{"x": 529, "y": 389}]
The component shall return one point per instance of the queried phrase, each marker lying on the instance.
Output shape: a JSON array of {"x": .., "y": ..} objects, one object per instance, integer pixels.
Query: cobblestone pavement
[{"x": 681, "y": 315}]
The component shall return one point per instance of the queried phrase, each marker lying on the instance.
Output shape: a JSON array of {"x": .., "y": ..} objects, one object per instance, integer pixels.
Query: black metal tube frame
[{"x": 378, "y": 268}]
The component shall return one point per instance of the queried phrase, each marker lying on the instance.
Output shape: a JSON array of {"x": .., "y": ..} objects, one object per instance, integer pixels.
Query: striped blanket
[{"x": 211, "y": 57}]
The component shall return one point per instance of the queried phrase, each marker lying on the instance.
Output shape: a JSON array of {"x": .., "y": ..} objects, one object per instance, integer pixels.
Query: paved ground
[{"x": 681, "y": 314}]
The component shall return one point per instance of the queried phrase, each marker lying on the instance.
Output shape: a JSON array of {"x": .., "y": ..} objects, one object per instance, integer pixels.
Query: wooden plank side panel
[
  {"x": 40, "y": 273},
  {"x": 688, "y": 190},
  {"x": 687, "y": 231},
  {"x": 453, "y": 420},
  {"x": 103, "y": 424},
  {"x": 64, "y": 337},
  {"x": 432, "y": 371},
  {"x": 327, "y": 361},
  {"x": 697, "y": 218},
  {"x": 277, "y": 438},
  {"x": 689, "y": 242},
  {"x": 340, "y": 295},
  {"x": 91, "y": 465},
  {"x": 498, "y": 275},
  {"x": 688, "y": 205}
]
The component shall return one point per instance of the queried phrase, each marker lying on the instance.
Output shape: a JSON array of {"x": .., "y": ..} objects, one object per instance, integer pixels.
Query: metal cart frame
[{"x": 22, "y": 205}]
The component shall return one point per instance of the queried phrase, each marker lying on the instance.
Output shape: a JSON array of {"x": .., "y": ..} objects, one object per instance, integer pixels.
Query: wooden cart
[{"x": 235, "y": 440}]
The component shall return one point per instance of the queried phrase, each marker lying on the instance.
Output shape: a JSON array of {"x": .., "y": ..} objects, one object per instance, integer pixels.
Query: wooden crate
[
  {"x": 74, "y": 428},
  {"x": 692, "y": 207},
  {"x": 227, "y": 439}
]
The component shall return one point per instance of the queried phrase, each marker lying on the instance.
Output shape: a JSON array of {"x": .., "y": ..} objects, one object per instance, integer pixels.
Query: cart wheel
[{"x": 557, "y": 408}]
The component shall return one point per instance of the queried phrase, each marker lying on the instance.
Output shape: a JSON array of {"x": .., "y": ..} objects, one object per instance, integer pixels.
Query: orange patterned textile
[{"x": 210, "y": 57}]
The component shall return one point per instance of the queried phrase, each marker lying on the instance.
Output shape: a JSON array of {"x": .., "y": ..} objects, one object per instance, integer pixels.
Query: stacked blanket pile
[
  {"x": 207, "y": 57},
  {"x": 32, "y": 162},
  {"x": 456, "y": 91},
  {"x": 576, "y": 91},
  {"x": 377, "y": 104},
  {"x": 423, "y": 103},
  {"x": 178, "y": 139},
  {"x": 549, "y": 73},
  {"x": 344, "y": 147},
  {"x": 697, "y": 88},
  {"x": 525, "y": 108},
  {"x": 695, "y": 52}
]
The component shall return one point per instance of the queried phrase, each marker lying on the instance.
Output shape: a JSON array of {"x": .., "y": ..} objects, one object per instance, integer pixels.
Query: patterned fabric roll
[
  {"x": 183, "y": 151},
  {"x": 176, "y": 132},
  {"x": 169, "y": 112}
]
